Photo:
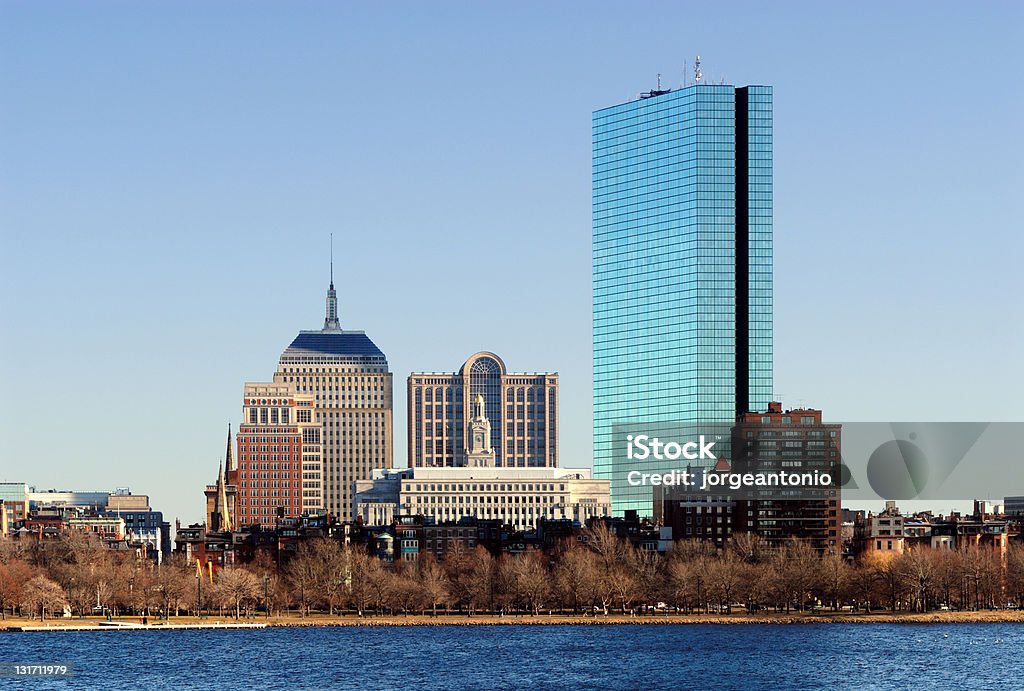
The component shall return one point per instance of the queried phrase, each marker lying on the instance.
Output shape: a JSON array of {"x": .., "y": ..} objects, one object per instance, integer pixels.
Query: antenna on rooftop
[
  {"x": 659, "y": 81},
  {"x": 696, "y": 71}
]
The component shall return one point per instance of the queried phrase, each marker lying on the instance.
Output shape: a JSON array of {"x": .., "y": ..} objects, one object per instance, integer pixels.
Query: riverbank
[
  {"x": 58, "y": 625},
  {"x": 993, "y": 617}
]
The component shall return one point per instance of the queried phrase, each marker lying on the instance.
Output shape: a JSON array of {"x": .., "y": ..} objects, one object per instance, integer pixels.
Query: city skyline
[{"x": 143, "y": 198}]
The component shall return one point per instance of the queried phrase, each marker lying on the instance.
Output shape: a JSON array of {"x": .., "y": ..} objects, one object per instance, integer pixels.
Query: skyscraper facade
[
  {"x": 682, "y": 267},
  {"x": 521, "y": 410},
  {"x": 347, "y": 376}
]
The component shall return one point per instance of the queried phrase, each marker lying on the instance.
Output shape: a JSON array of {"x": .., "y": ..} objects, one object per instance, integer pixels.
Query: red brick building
[
  {"x": 774, "y": 441},
  {"x": 279, "y": 462}
]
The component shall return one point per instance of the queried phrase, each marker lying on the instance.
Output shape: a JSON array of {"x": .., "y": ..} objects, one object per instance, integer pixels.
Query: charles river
[{"x": 834, "y": 656}]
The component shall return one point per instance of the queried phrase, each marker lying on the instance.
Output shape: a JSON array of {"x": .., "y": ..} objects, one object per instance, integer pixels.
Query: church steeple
[
  {"x": 222, "y": 504},
  {"x": 331, "y": 322},
  {"x": 228, "y": 460}
]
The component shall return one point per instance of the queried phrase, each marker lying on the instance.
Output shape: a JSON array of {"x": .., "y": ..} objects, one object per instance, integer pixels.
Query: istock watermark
[
  {"x": 704, "y": 480},
  {"x": 806, "y": 457},
  {"x": 641, "y": 447}
]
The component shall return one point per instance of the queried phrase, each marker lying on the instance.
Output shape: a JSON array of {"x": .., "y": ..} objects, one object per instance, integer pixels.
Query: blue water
[{"x": 834, "y": 656}]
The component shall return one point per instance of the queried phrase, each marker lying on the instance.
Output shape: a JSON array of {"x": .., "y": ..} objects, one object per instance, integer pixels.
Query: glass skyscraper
[{"x": 682, "y": 269}]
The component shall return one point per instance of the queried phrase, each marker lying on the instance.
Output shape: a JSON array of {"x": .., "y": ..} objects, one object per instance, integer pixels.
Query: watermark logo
[
  {"x": 641, "y": 447},
  {"x": 799, "y": 460}
]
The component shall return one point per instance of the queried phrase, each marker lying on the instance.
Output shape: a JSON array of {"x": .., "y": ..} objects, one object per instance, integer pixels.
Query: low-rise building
[
  {"x": 117, "y": 517},
  {"x": 517, "y": 496},
  {"x": 108, "y": 528},
  {"x": 14, "y": 497},
  {"x": 883, "y": 532}
]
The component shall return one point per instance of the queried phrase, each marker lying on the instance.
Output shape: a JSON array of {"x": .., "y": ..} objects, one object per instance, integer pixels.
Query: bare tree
[
  {"x": 750, "y": 548},
  {"x": 799, "y": 567},
  {"x": 405, "y": 593},
  {"x": 237, "y": 587},
  {"x": 457, "y": 567},
  {"x": 575, "y": 572},
  {"x": 688, "y": 573},
  {"x": 724, "y": 579},
  {"x": 981, "y": 570},
  {"x": 835, "y": 574},
  {"x": 886, "y": 569},
  {"x": 302, "y": 574},
  {"x": 360, "y": 587},
  {"x": 480, "y": 580},
  {"x": 41, "y": 594},
  {"x": 1015, "y": 573},
  {"x": 609, "y": 547},
  {"x": 917, "y": 567},
  {"x": 533, "y": 583},
  {"x": 327, "y": 569},
  {"x": 174, "y": 583},
  {"x": 434, "y": 582},
  {"x": 948, "y": 578}
]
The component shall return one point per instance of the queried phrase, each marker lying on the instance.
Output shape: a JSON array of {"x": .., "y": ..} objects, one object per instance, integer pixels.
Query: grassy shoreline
[{"x": 989, "y": 617}]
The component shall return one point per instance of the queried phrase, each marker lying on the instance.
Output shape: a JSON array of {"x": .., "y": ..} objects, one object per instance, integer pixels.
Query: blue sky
[{"x": 171, "y": 172}]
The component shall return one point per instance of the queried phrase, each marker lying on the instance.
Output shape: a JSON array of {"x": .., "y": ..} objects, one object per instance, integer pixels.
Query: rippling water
[{"x": 836, "y": 656}]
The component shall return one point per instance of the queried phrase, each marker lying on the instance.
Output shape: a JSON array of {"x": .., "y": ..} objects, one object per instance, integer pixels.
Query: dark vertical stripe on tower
[{"x": 742, "y": 257}]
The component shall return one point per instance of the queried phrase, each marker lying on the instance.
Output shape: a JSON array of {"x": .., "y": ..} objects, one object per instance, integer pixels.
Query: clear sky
[{"x": 170, "y": 172}]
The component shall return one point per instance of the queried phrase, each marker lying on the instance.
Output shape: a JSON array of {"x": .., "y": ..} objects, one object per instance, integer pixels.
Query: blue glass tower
[{"x": 682, "y": 268}]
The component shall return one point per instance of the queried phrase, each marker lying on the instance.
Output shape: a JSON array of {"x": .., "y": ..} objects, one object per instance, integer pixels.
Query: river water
[{"x": 834, "y": 656}]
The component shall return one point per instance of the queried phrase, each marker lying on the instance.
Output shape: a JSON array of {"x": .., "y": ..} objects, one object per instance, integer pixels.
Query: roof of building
[{"x": 350, "y": 343}]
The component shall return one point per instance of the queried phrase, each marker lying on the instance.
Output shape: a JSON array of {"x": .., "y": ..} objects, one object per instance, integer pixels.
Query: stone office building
[
  {"x": 522, "y": 409},
  {"x": 346, "y": 375}
]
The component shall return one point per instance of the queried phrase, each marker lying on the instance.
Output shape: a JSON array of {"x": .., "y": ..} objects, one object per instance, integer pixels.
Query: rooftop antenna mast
[
  {"x": 696, "y": 71},
  {"x": 332, "y": 259}
]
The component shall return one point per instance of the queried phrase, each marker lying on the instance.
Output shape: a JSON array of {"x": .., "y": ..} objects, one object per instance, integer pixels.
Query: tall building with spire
[{"x": 346, "y": 376}]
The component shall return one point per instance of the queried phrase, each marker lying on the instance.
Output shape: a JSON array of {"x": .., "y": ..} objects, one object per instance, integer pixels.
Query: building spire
[
  {"x": 331, "y": 322},
  {"x": 228, "y": 460},
  {"x": 222, "y": 504}
]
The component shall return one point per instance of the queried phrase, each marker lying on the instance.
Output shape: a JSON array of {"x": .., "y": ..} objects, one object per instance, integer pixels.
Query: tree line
[{"x": 597, "y": 575}]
